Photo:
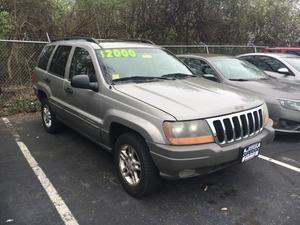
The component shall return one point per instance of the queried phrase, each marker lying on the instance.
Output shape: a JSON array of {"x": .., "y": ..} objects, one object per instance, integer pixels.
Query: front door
[{"x": 83, "y": 106}]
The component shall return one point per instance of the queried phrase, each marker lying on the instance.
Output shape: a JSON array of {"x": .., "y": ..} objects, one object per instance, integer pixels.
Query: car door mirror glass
[
  {"x": 83, "y": 82},
  {"x": 284, "y": 71}
]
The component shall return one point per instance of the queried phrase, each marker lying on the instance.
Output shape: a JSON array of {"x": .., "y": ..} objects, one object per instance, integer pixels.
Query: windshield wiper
[
  {"x": 178, "y": 75},
  {"x": 137, "y": 78},
  {"x": 240, "y": 79}
]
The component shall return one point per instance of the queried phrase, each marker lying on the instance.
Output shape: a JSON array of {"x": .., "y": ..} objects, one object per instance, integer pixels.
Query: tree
[{"x": 266, "y": 22}]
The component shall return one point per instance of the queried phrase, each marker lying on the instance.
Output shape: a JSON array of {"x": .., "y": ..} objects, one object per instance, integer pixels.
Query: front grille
[{"x": 237, "y": 126}]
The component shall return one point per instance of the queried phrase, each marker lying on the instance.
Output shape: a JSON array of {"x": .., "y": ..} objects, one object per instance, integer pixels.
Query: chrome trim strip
[
  {"x": 233, "y": 128},
  {"x": 241, "y": 126},
  {"x": 224, "y": 131},
  {"x": 258, "y": 116},
  {"x": 253, "y": 121}
]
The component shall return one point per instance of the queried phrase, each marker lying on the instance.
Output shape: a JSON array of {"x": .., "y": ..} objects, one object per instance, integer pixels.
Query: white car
[{"x": 279, "y": 65}]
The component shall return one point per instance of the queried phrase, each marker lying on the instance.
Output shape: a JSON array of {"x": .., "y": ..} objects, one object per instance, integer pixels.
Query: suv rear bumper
[{"x": 189, "y": 161}]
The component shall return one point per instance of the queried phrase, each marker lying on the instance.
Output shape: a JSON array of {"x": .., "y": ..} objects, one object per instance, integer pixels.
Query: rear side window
[
  {"x": 45, "y": 55},
  {"x": 59, "y": 60}
]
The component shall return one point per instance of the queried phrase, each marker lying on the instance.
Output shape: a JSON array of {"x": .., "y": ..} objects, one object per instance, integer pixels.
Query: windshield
[
  {"x": 119, "y": 64},
  {"x": 294, "y": 62},
  {"x": 235, "y": 69}
]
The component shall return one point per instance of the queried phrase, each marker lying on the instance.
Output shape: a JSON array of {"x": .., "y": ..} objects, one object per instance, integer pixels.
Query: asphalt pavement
[{"x": 257, "y": 192}]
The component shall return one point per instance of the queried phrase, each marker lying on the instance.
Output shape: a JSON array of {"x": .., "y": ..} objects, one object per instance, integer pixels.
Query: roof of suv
[
  {"x": 107, "y": 43},
  {"x": 126, "y": 45}
]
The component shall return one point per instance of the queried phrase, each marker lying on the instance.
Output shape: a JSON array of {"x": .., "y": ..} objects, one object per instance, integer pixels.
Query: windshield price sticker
[
  {"x": 118, "y": 53},
  {"x": 115, "y": 76},
  {"x": 147, "y": 56}
]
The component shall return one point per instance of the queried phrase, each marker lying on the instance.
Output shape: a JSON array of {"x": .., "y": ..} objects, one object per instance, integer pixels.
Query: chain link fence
[
  {"x": 18, "y": 59},
  {"x": 214, "y": 49}
]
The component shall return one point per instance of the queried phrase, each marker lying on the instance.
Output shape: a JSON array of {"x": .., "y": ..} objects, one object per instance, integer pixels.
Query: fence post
[
  {"x": 255, "y": 49},
  {"x": 48, "y": 38},
  {"x": 207, "y": 50},
  {"x": 205, "y": 47}
]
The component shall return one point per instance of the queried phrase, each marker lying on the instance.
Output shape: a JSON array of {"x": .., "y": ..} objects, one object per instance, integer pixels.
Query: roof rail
[
  {"x": 128, "y": 40},
  {"x": 76, "y": 38}
]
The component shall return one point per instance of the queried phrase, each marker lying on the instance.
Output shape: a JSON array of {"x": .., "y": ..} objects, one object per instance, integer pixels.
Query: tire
[
  {"x": 50, "y": 123},
  {"x": 140, "y": 176}
]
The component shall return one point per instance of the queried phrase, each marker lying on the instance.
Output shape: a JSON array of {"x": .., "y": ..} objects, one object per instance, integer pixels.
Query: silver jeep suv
[{"x": 139, "y": 102}]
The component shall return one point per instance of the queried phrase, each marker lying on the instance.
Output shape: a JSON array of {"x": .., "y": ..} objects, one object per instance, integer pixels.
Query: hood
[
  {"x": 271, "y": 89},
  {"x": 193, "y": 98}
]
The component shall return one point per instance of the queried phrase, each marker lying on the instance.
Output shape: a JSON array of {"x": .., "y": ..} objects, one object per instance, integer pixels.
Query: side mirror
[
  {"x": 83, "y": 82},
  {"x": 210, "y": 77},
  {"x": 284, "y": 71}
]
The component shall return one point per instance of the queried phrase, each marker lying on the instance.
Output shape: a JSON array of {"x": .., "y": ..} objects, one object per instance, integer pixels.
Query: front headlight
[
  {"x": 188, "y": 133},
  {"x": 265, "y": 114},
  {"x": 290, "y": 104}
]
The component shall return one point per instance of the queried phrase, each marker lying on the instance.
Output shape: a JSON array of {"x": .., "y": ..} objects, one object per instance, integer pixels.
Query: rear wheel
[
  {"x": 51, "y": 124},
  {"x": 135, "y": 167}
]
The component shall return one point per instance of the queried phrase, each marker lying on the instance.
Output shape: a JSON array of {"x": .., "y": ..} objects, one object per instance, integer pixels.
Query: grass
[{"x": 16, "y": 100}]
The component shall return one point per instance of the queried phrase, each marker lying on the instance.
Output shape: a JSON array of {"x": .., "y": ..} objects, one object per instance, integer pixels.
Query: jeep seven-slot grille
[{"x": 237, "y": 126}]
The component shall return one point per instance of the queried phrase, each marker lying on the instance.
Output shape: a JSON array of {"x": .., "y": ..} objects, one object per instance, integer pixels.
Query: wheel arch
[{"x": 121, "y": 122}]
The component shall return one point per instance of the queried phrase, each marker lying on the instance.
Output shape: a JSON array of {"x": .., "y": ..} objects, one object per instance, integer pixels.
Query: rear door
[
  {"x": 41, "y": 81},
  {"x": 83, "y": 106},
  {"x": 55, "y": 78}
]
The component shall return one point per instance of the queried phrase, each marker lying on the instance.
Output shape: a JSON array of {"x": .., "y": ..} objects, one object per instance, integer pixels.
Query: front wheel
[
  {"x": 135, "y": 167},
  {"x": 51, "y": 124}
]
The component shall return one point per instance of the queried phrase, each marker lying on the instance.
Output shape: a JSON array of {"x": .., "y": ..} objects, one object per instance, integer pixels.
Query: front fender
[{"x": 150, "y": 131}]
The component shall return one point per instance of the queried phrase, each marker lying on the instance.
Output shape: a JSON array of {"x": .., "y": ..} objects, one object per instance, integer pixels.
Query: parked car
[
  {"x": 141, "y": 103},
  {"x": 282, "y": 98},
  {"x": 281, "y": 66},
  {"x": 288, "y": 50}
]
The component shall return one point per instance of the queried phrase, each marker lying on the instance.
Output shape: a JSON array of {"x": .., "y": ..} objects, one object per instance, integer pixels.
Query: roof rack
[
  {"x": 128, "y": 40},
  {"x": 103, "y": 40},
  {"x": 76, "y": 38}
]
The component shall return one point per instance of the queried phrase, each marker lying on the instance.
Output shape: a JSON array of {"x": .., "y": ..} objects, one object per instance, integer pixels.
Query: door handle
[
  {"x": 69, "y": 90},
  {"x": 47, "y": 80}
]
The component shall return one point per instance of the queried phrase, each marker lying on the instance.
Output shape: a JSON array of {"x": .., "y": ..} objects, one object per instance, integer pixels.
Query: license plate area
[{"x": 250, "y": 152}]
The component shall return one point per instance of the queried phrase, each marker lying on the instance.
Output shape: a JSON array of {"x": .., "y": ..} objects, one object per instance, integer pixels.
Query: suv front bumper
[{"x": 189, "y": 161}]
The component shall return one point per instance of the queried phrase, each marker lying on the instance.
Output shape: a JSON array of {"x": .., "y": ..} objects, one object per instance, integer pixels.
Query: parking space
[{"x": 257, "y": 192}]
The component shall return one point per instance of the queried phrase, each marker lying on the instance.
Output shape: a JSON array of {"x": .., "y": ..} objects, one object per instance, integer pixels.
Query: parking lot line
[
  {"x": 279, "y": 163},
  {"x": 61, "y": 207}
]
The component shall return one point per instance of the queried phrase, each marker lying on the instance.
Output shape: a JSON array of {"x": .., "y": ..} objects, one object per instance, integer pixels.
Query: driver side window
[
  {"x": 82, "y": 64},
  {"x": 269, "y": 64},
  {"x": 199, "y": 66},
  {"x": 194, "y": 65},
  {"x": 206, "y": 69}
]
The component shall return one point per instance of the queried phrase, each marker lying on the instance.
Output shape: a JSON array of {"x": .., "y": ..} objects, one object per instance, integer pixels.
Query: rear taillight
[{"x": 34, "y": 77}]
